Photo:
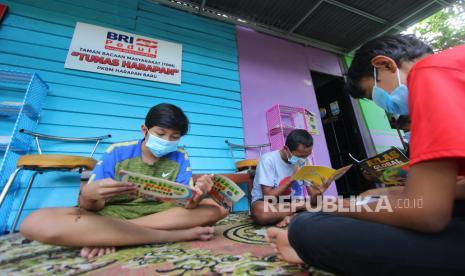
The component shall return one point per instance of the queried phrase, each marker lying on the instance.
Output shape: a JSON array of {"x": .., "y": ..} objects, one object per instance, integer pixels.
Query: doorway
[{"x": 341, "y": 131}]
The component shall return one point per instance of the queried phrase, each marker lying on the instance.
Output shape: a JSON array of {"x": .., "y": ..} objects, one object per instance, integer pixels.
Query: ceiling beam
[
  {"x": 202, "y": 6},
  {"x": 357, "y": 11},
  {"x": 360, "y": 12},
  {"x": 443, "y": 3},
  {"x": 397, "y": 23},
  {"x": 296, "y": 25}
]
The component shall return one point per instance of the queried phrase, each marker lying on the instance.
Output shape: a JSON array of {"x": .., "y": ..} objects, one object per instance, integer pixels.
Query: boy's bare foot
[
  {"x": 278, "y": 240},
  {"x": 195, "y": 233},
  {"x": 205, "y": 233},
  {"x": 285, "y": 222},
  {"x": 90, "y": 252}
]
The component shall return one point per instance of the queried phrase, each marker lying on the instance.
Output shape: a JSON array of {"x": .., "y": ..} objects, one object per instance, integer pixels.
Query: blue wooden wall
[{"x": 35, "y": 36}]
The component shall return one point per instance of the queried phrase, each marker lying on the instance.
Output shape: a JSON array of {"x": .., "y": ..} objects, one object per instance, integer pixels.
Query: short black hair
[
  {"x": 399, "y": 47},
  {"x": 167, "y": 116},
  {"x": 299, "y": 137}
]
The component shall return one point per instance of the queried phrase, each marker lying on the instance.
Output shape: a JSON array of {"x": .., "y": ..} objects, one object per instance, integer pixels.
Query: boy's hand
[
  {"x": 387, "y": 191},
  {"x": 319, "y": 189},
  {"x": 296, "y": 168},
  {"x": 106, "y": 188},
  {"x": 368, "y": 176},
  {"x": 202, "y": 186}
]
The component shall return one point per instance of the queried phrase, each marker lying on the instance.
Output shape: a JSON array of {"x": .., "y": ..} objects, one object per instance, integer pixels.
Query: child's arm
[
  {"x": 202, "y": 186},
  {"x": 279, "y": 190},
  {"x": 434, "y": 184},
  {"x": 317, "y": 190},
  {"x": 93, "y": 195},
  {"x": 283, "y": 185},
  {"x": 90, "y": 205},
  {"x": 389, "y": 191}
]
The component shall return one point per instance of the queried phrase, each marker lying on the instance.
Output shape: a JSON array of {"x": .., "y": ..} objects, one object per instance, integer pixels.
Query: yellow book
[{"x": 314, "y": 174}]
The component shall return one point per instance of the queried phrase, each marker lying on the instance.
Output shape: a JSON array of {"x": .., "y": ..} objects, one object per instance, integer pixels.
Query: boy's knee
[
  {"x": 36, "y": 227},
  {"x": 29, "y": 224},
  {"x": 218, "y": 211},
  {"x": 258, "y": 215},
  {"x": 306, "y": 225},
  {"x": 304, "y": 220},
  {"x": 261, "y": 218},
  {"x": 223, "y": 212}
]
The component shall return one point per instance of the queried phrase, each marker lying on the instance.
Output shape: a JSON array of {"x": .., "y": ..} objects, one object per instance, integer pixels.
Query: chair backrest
[
  {"x": 38, "y": 136},
  {"x": 246, "y": 147}
]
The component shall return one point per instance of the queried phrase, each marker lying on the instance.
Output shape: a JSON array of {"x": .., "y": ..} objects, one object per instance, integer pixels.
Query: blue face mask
[
  {"x": 160, "y": 147},
  {"x": 294, "y": 160},
  {"x": 396, "y": 102}
]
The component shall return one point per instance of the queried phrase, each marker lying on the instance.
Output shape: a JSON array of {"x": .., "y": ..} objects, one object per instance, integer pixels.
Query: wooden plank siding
[{"x": 35, "y": 36}]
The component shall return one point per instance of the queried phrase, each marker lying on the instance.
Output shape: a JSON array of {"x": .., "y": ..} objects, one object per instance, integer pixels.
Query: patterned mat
[{"x": 238, "y": 249}]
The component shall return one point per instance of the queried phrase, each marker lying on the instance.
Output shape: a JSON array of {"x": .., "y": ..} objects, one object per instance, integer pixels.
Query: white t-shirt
[{"x": 271, "y": 170}]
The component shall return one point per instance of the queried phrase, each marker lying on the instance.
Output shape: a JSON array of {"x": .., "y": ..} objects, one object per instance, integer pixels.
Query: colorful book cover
[
  {"x": 314, "y": 174},
  {"x": 391, "y": 166},
  {"x": 158, "y": 188},
  {"x": 224, "y": 191}
]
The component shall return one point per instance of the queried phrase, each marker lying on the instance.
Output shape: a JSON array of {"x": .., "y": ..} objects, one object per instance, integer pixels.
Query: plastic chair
[
  {"x": 40, "y": 163},
  {"x": 246, "y": 167}
]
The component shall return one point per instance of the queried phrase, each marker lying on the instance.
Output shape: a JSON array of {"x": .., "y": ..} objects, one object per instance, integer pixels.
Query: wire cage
[
  {"x": 21, "y": 99},
  {"x": 281, "y": 120}
]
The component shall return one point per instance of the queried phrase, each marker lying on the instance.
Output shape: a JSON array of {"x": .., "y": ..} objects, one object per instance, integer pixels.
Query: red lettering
[
  {"x": 146, "y": 43},
  {"x": 81, "y": 56},
  {"x": 95, "y": 59},
  {"x": 142, "y": 67}
]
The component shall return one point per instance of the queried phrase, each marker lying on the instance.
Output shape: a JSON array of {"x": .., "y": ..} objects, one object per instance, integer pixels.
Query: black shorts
[{"x": 349, "y": 246}]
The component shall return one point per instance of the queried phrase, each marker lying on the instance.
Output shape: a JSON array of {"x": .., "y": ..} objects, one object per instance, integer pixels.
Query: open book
[
  {"x": 314, "y": 174},
  {"x": 224, "y": 191},
  {"x": 390, "y": 167}
]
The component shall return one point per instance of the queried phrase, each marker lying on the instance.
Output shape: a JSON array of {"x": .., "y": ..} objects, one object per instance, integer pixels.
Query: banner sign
[
  {"x": 3, "y": 9},
  {"x": 113, "y": 52}
]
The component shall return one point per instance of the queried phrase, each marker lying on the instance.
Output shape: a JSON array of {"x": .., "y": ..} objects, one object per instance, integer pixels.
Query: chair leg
[
  {"x": 249, "y": 189},
  {"x": 23, "y": 202},
  {"x": 8, "y": 184}
]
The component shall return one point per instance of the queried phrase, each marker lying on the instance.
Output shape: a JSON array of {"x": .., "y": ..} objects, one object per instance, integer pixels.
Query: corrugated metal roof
[
  {"x": 330, "y": 24},
  {"x": 337, "y": 25},
  {"x": 389, "y": 10},
  {"x": 269, "y": 12}
]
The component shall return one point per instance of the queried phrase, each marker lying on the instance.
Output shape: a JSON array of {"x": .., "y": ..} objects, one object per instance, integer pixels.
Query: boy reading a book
[
  {"x": 273, "y": 179},
  {"x": 109, "y": 214},
  {"x": 401, "y": 75}
]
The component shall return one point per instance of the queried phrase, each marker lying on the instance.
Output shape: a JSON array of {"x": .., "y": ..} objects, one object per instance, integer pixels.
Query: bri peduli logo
[{"x": 131, "y": 45}]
